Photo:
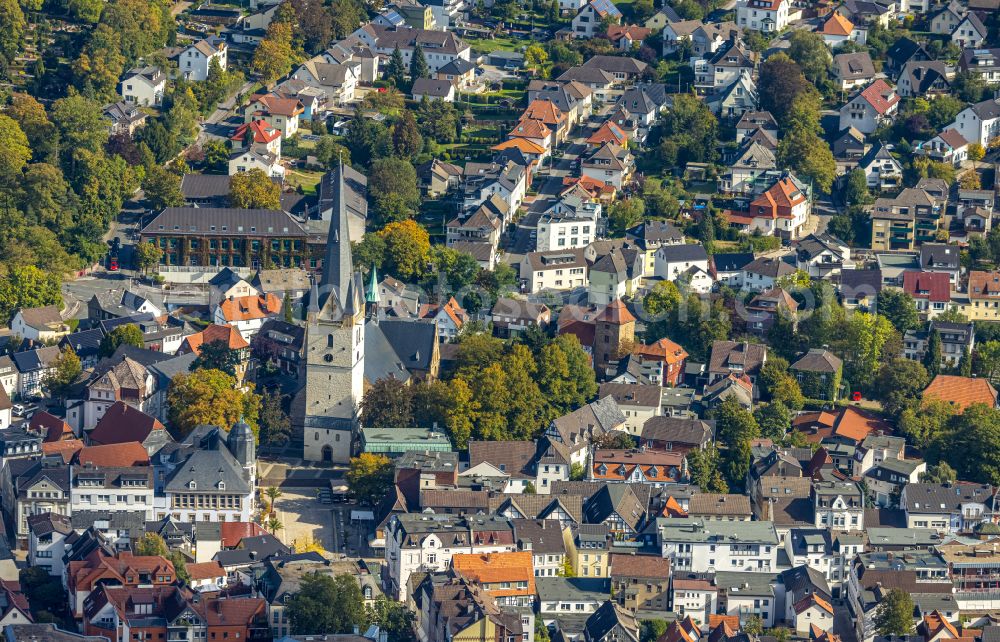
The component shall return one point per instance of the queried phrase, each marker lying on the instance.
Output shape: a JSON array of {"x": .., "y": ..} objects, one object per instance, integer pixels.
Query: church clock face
[{"x": 328, "y": 357}]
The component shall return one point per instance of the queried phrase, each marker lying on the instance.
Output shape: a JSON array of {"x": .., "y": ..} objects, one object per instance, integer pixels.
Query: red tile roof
[
  {"x": 933, "y": 286},
  {"x": 205, "y": 570},
  {"x": 961, "y": 392},
  {"x": 127, "y": 454},
  {"x": 280, "y": 106},
  {"x": 837, "y": 25},
  {"x": 607, "y": 133},
  {"x": 662, "y": 350},
  {"x": 880, "y": 96},
  {"x": 634, "y": 32},
  {"x": 232, "y": 533},
  {"x": 778, "y": 200},
  {"x": 245, "y": 308},
  {"x": 856, "y": 424},
  {"x": 616, "y": 313},
  {"x": 259, "y": 130},
  {"x": 53, "y": 428},
  {"x": 66, "y": 449},
  {"x": 226, "y": 333},
  {"x": 121, "y": 424}
]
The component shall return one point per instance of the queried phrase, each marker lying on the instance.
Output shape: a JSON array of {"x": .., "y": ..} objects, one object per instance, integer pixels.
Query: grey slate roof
[
  {"x": 206, "y": 468},
  {"x": 226, "y": 221}
]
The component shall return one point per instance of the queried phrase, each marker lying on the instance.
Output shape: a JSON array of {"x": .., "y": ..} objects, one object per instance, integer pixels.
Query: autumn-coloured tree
[
  {"x": 369, "y": 477},
  {"x": 210, "y": 397},
  {"x": 254, "y": 190},
  {"x": 407, "y": 248},
  {"x": 274, "y": 56}
]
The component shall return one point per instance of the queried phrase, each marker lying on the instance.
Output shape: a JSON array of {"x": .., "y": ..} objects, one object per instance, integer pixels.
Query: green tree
[
  {"x": 577, "y": 472},
  {"x": 693, "y": 128},
  {"x": 65, "y": 370},
  {"x": 394, "y": 619},
  {"x": 418, "y": 64},
  {"x": 396, "y": 71},
  {"x": 210, "y": 397},
  {"x": 254, "y": 190},
  {"x": 147, "y": 255},
  {"x": 393, "y": 189},
  {"x": 652, "y": 630},
  {"x": 127, "y": 334},
  {"x": 406, "y": 139},
  {"x": 12, "y": 28},
  {"x": 856, "y": 191},
  {"x": 736, "y": 429},
  {"x": 811, "y": 54},
  {"x": 150, "y": 545},
  {"x": 216, "y": 155},
  {"x": 774, "y": 420},
  {"x": 704, "y": 468},
  {"x": 162, "y": 188},
  {"x": 275, "y": 424},
  {"x": 369, "y": 477},
  {"x": 869, "y": 337},
  {"x": 899, "y": 308},
  {"x": 809, "y": 156},
  {"x": 27, "y": 287},
  {"x": 217, "y": 355},
  {"x": 924, "y": 424},
  {"x": 940, "y": 473},
  {"x": 388, "y": 403},
  {"x": 624, "y": 214},
  {"x": 14, "y": 150},
  {"x": 894, "y": 614},
  {"x": 932, "y": 353},
  {"x": 615, "y": 441},
  {"x": 325, "y": 604},
  {"x": 536, "y": 58},
  {"x": 664, "y": 297},
  {"x": 274, "y": 55},
  {"x": 899, "y": 385},
  {"x": 781, "y": 82}
]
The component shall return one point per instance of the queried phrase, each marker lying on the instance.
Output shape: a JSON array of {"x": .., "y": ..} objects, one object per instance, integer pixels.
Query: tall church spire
[{"x": 338, "y": 271}]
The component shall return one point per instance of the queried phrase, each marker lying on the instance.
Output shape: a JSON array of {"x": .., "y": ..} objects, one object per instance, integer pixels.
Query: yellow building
[
  {"x": 983, "y": 294},
  {"x": 587, "y": 550}
]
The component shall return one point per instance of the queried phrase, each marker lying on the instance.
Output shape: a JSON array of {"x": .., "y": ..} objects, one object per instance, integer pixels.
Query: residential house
[
  {"x": 948, "y": 508},
  {"x": 439, "y": 47},
  {"x": 610, "y": 164},
  {"x": 870, "y": 108},
  {"x": 818, "y": 372},
  {"x": 553, "y": 270},
  {"x": 905, "y": 222},
  {"x": 764, "y": 272},
  {"x": 931, "y": 291},
  {"x": 640, "y": 582},
  {"x": 698, "y": 546},
  {"x": 433, "y": 89},
  {"x": 39, "y": 324},
  {"x": 418, "y": 542},
  {"x": 590, "y": 19},
  {"x": 852, "y": 70},
  {"x": 970, "y": 32},
  {"x": 125, "y": 117},
  {"x": 143, "y": 86},
  {"x": 282, "y": 114},
  {"x": 946, "y": 147},
  {"x": 513, "y": 316},
  {"x": 979, "y": 123},
  {"x": 767, "y": 16},
  {"x": 881, "y": 168},
  {"x": 924, "y": 79},
  {"x": 836, "y": 30},
  {"x": 196, "y": 60},
  {"x": 983, "y": 62}
]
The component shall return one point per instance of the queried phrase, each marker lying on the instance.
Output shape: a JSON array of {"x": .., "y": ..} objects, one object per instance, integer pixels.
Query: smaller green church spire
[{"x": 371, "y": 293}]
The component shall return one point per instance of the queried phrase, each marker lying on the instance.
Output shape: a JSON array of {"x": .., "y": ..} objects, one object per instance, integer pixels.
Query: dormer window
[
  {"x": 221, "y": 485},
  {"x": 192, "y": 485},
  {"x": 602, "y": 470}
]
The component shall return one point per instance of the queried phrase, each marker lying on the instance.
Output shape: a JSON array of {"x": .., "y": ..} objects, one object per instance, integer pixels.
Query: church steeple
[
  {"x": 336, "y": 296},
  {"x": 372, "y": 298}
]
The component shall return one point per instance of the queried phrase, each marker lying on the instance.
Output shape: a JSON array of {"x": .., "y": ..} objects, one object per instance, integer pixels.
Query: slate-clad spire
[{"x": 338, "y": 271}]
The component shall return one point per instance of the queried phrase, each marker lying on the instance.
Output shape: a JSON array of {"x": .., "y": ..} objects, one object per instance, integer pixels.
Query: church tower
[{"x": 335, "y": 345}]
